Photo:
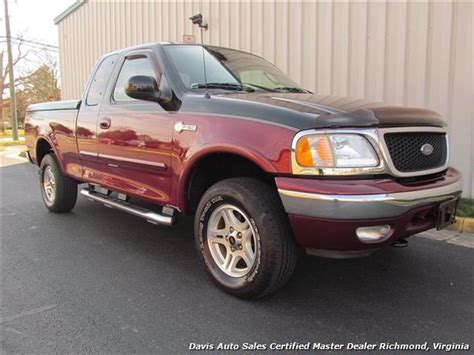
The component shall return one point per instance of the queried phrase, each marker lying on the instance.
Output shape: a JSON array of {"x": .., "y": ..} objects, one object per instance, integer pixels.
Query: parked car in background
[{"x": 266, "y": 167}]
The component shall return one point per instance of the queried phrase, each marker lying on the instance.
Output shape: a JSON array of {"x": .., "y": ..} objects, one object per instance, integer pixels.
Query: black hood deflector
[{"x": 304, "y": 111}]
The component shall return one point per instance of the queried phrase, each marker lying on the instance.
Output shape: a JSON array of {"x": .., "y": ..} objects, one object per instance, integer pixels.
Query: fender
[
  {"x": 206, "y": 150},
  {"x": 55, "y": 151}
]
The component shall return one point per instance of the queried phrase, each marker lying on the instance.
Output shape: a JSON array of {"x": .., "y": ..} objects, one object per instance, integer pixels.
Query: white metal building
[{"x": 403, "y": 53}]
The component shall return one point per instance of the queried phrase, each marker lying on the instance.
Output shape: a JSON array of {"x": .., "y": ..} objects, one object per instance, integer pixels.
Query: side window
[
  {"x": 131, "y": 67},
  {"x": 99, "y": 82}
]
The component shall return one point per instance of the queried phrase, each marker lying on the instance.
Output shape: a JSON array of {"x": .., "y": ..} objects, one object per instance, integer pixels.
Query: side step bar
[{"x": 119, "y": 204}]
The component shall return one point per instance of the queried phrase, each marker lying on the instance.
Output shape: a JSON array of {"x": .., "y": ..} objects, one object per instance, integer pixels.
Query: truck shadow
[
  {"x": 391, "y": 281},
  {"x": 122, "y": 270},
  {"x": 386, "y": 273}
]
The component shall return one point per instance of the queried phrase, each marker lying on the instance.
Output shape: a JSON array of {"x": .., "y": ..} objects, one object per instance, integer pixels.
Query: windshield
[{"x": 227, "y": 69}]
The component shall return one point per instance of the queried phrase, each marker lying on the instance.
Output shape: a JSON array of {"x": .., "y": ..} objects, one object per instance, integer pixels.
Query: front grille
[{"x": 405, "y": 149}]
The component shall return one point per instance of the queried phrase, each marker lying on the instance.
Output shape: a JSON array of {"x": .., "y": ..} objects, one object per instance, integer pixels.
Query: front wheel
[
  {"x": 244, "y": 238},
  {"x": 59, "y": 191}
]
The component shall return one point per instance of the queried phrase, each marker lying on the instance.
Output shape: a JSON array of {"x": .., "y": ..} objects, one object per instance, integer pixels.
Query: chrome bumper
[{"x": 364, "y": 206}]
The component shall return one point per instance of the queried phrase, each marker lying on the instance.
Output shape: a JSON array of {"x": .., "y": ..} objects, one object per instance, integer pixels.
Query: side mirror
[{"x": 143, "y": 87}]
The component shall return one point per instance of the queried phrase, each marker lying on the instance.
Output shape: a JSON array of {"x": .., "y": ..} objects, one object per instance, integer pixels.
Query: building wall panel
[
  {"x": 410, "y": 53},
  {"x": 323, "y": 48},
  {"x": 357, "y": 49}
]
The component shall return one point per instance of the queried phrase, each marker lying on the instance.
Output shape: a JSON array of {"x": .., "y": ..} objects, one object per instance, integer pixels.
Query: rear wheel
[
  {"x": 244, "y": 238},
  {"x": 59, "y": 191}
]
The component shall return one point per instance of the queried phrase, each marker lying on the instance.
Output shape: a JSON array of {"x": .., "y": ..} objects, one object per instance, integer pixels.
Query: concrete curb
[
  {"x": 463, "y": 225},
  {"x": 449, "y": 236}
]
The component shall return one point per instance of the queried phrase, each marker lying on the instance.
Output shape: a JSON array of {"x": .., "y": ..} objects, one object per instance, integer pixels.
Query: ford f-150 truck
[{"x": 267, "y": 168}]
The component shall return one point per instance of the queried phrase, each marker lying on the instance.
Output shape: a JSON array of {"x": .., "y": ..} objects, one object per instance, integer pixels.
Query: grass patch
[
  {"x": 466, "y": 207},
  {"x": 9, "y": 133},
  {"x": 11, "y": 143}
]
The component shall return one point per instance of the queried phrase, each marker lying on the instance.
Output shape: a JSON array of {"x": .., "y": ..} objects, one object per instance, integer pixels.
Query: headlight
[{"x": 335, "y": 151}]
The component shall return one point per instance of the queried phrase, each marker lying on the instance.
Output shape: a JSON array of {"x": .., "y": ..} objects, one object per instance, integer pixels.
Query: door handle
[{"x": 105, "y": 123}]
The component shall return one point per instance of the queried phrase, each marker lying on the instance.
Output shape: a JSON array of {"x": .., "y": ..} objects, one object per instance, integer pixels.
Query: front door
[{"x": 134, "y": 137}]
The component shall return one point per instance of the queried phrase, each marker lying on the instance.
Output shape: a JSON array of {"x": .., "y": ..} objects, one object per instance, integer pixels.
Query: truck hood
[
  {"x": 302, "y": 111},
  {"x": 333, "y": 111}
]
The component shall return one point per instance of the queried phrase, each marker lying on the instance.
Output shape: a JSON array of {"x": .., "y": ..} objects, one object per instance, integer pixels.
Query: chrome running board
[{"x": 113, "y": 202}]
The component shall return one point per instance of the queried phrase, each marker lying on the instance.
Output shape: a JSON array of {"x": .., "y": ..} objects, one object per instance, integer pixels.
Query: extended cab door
[
  {"x": 86, "y": 125},
  {"x": 134, "y": 136}
]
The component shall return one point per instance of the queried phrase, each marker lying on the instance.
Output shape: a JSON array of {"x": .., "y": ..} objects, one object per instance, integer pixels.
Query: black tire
[
  {"x": 65, "y": 188},
  {"x": 276, "y": 258}
]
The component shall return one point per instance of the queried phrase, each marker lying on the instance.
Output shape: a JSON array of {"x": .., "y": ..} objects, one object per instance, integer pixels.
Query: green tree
[{"x": 39, "y": 86}]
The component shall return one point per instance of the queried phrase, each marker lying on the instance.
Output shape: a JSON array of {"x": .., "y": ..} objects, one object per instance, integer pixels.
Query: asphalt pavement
[{"x": 98, "y": 280}]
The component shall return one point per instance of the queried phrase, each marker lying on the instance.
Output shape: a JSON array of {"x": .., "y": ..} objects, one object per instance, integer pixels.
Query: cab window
[{"x": 99, "y": 81}]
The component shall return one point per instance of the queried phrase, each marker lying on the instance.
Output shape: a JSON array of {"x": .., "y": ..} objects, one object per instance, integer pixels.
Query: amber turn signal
[
  {"x": 303, "y": 152},
  {"x": 314, "y": 150}
]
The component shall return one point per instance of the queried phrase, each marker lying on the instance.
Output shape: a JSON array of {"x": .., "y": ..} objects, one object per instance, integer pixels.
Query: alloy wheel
[{"x": 232, "y": 240}]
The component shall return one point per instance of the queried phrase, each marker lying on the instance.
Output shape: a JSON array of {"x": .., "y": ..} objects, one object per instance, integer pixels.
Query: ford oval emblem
[{"x": 427, "y": 149}]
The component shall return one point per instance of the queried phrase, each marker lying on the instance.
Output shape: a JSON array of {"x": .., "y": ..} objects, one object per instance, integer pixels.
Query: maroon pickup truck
[{"x": 266, "y": 167}]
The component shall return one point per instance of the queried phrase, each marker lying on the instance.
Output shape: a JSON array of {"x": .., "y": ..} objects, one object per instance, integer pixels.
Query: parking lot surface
[{"x": 98, "y": 280}]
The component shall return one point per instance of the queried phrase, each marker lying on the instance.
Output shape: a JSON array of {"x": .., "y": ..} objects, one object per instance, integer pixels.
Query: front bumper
[
  {"x": 364, "y": 206},
  {"x": 326, "y": 214}
]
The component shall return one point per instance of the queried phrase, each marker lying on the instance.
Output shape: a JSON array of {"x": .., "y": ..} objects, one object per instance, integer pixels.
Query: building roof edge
[{"x": 69, "y": 11}]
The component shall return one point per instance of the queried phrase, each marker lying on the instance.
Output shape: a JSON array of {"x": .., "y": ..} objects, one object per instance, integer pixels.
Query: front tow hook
[{"x": 400, "y": 243}]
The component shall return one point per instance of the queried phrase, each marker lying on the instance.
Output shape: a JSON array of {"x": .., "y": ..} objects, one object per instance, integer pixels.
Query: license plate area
[{"x": 447, "y": 213}]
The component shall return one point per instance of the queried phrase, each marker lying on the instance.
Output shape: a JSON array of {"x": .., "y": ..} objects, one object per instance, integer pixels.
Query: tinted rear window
[{"x": 99, "y": 82}]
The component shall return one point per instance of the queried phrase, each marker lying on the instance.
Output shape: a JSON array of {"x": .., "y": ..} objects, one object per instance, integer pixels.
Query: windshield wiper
[
  {"x": 260, "y": 87},
  {"x": 225, "y": 86},
  {"x": 292, "y": 89}
]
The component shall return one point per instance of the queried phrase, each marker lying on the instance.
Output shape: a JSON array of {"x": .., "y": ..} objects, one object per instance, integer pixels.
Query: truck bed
[
  {"x": 55, "y": 123},
  {"x": 55, "y": 105}
]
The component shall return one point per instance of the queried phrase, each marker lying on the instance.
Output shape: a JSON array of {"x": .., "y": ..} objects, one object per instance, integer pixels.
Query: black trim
[{"x": 222, "y": 105}]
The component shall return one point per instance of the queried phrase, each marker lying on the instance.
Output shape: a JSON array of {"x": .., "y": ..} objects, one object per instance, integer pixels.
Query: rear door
[{"x": 134, "y": 136}]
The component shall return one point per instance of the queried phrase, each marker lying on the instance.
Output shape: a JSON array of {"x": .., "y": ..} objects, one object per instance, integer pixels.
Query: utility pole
[
  {"x": 11, "y": 77},
  {"x": 2, "y": 129}
]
